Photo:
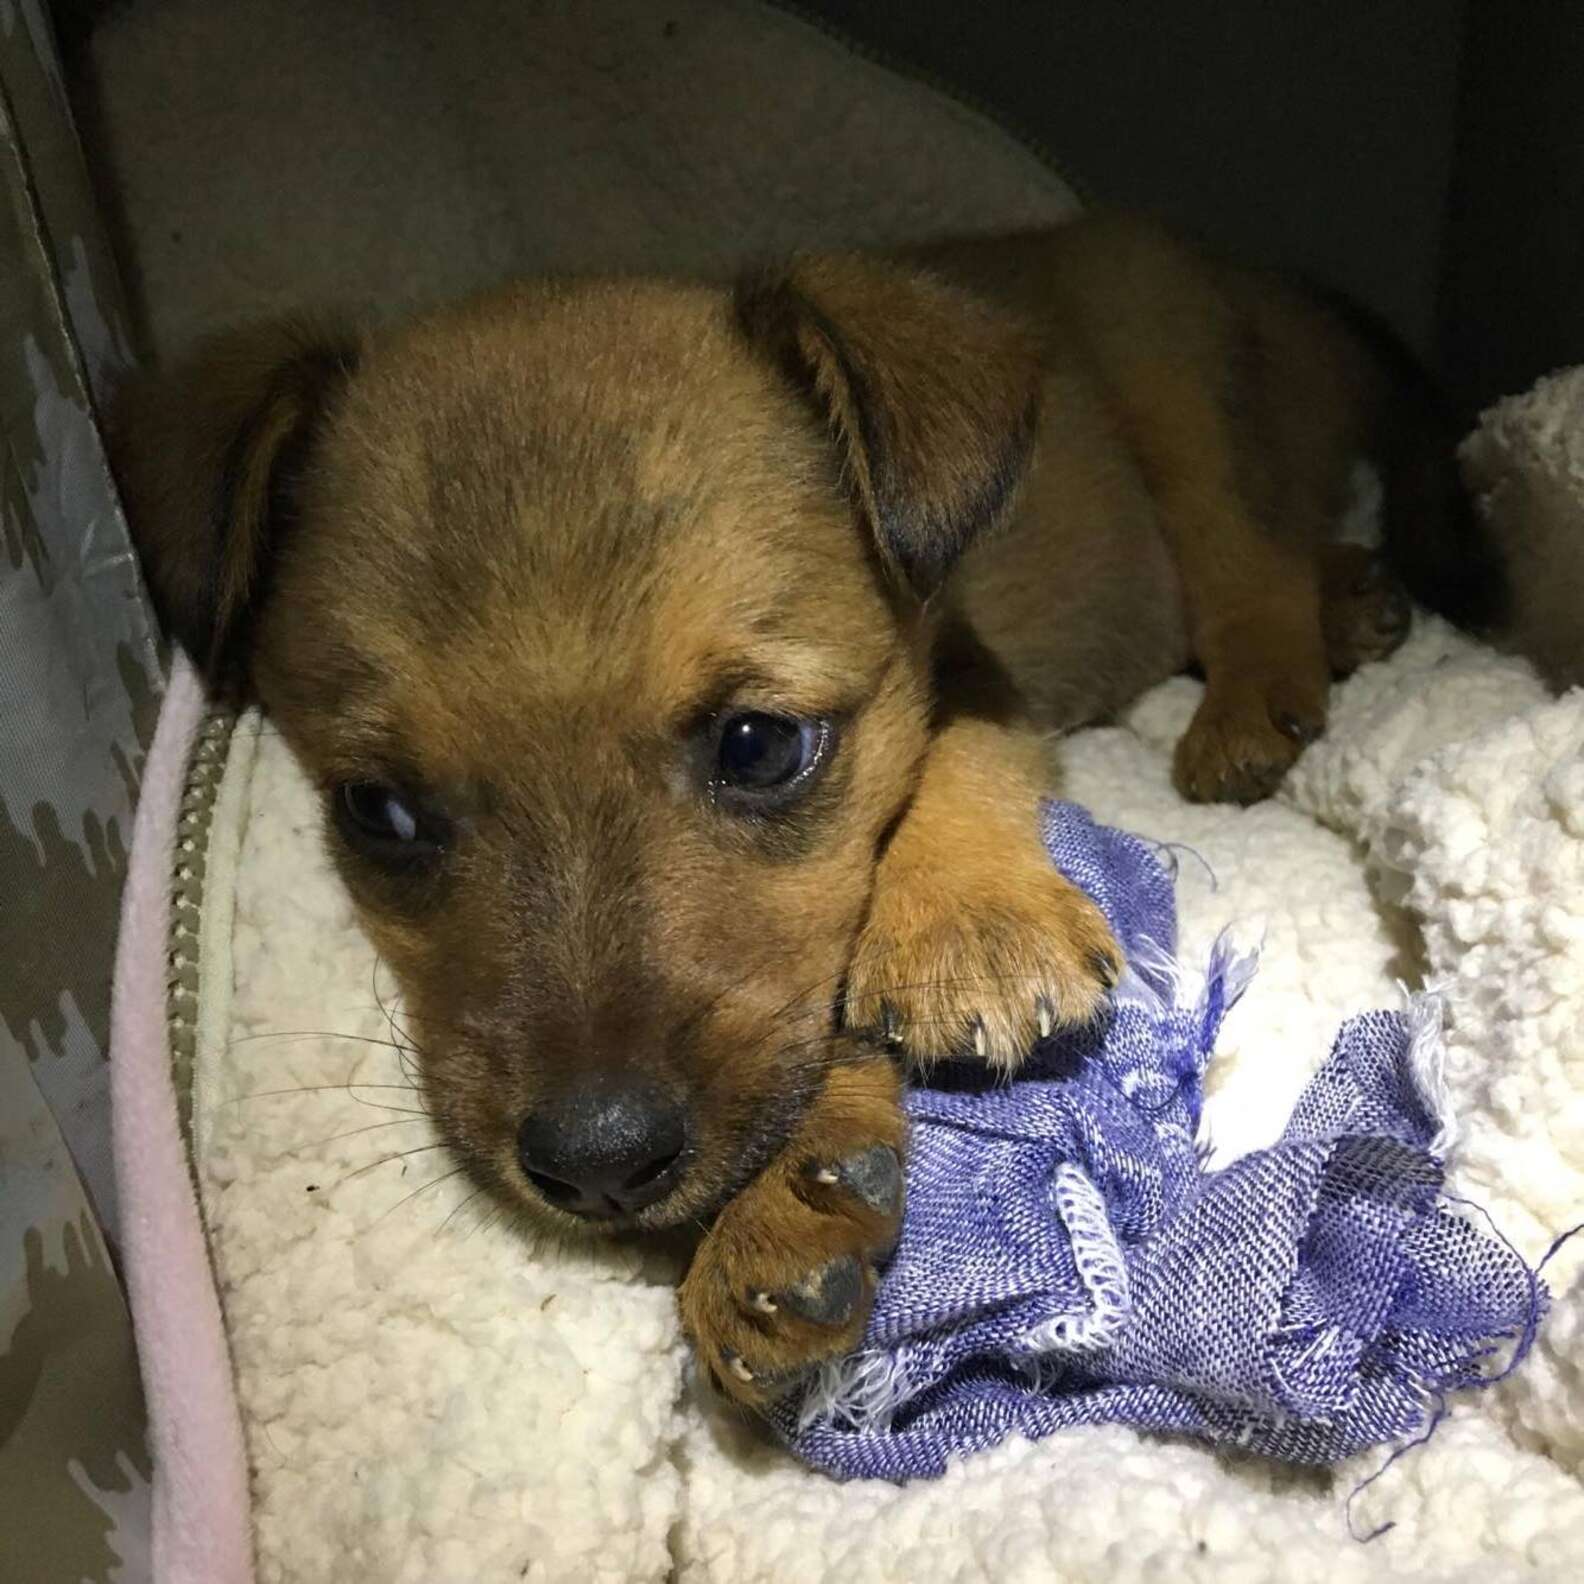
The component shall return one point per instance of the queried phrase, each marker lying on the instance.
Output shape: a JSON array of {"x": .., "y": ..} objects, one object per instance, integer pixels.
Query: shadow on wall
[
  {"x": 1311, "y": 137},
  {"x": 1513, "y": 293}
]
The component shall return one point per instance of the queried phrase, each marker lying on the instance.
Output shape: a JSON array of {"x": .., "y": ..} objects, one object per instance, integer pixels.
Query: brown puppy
[{"x": 677, "y": 666}]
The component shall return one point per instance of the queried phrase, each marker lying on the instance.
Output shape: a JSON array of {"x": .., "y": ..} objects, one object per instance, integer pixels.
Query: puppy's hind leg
[
  {"x": 1365, "y": 610},
  {"x": 1252, "y": 596}
]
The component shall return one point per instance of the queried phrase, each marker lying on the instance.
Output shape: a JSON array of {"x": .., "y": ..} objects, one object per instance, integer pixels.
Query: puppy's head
[{"x": 599, "y": 614}]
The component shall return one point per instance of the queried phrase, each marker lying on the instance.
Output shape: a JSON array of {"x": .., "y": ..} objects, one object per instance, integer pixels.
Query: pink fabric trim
[{"x": 202, "y": 1533}]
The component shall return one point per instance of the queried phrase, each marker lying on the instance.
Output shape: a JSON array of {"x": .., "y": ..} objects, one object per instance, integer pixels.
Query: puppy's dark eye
[
  {"x": 380, "y": 811},
  {"x": 768, "y": 754},
  {"x": 386, "y": 823}
]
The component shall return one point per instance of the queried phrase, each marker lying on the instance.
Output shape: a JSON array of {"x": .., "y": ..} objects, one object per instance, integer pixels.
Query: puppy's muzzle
[{"x": 604, "y": 1152}]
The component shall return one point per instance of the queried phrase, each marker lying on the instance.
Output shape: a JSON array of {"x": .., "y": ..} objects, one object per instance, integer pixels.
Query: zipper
[{"x": 205, "y": 771}]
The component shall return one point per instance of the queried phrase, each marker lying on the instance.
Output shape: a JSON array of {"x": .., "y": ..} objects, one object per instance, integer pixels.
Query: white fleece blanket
[{"x": 427, "y": 1398}]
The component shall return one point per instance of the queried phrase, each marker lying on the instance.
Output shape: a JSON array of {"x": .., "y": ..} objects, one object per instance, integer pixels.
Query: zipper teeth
[
  {"x": 205, "y": 771},
  {"x": 961, "y": 97}
]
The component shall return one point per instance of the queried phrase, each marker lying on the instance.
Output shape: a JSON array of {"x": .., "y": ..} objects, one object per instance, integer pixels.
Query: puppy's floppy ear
[
  {"x": 209, "y": 455},
  {"x": 932, "y": 397}
]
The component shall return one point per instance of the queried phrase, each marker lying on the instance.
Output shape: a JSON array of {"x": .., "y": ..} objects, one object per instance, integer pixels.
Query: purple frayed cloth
[{"x": 1066, "y": 1259}]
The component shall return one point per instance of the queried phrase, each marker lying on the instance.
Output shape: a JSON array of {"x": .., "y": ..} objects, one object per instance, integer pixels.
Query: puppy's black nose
[{"x": 604, "y": 1152}]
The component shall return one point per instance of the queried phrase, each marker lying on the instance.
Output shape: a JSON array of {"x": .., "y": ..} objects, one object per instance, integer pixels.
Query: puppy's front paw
[
  {"x": 786, "y": 1277},
  {"x": 982, "y": 962}
]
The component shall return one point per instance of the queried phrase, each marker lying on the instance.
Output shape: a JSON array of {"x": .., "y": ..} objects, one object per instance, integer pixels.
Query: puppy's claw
[
  {"x": 1042, "y": 1018},
  {"x": 765, "y": 1385},
  {"x": 885, "y": 1030},
  {"x": 890, "y": 1026},
  {"x": 1303, "y": 732},
  {"x": 981, "y": 1041},
  {"x": 1106, "y": 968}
]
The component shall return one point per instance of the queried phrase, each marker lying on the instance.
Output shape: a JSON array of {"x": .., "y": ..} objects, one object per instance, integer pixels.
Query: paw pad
[
  {"x": 829, "y": 1295},
  {"x": 873, "y": 1175}
]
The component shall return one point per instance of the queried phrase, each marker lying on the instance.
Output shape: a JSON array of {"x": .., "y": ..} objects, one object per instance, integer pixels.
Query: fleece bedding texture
[{"x": 425, "y": 1397}]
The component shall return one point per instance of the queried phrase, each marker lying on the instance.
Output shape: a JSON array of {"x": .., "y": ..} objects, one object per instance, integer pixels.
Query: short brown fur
[{"x": 516, "y": 559}]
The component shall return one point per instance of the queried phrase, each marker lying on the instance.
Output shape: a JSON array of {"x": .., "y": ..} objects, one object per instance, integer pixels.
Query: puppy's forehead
[
  {"x": 567, "y": 496},
  {"x": 539, "y": 434},
  {"x": 573, "y": 380}
]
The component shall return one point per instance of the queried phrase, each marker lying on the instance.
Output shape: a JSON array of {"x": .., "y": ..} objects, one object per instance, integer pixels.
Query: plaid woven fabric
[{"x": 1065, "y": 1259}]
